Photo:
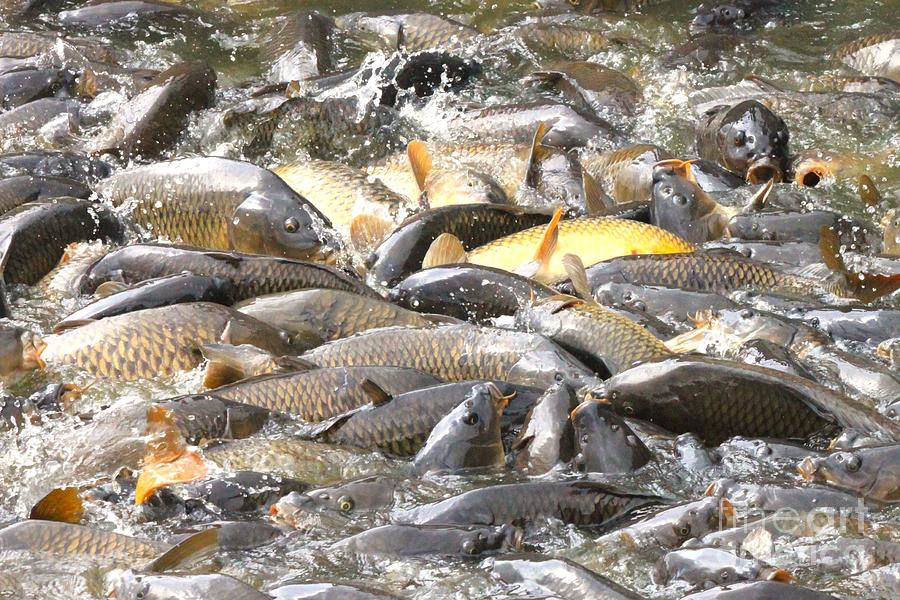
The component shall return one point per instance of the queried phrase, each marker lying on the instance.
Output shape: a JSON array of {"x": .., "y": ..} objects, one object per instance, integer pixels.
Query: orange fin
[
  {"x": 446, "y": 249},
  {"x": 548, "y": 244},
  {"x": 86, "y": 86},
  {"x": 167, "y": 459},
  {"x": 419, "y": 161},
  {"x": 367, "y": 231},
  {"x": 62, "y": 504},
  {"x": 186, "y": 551}
]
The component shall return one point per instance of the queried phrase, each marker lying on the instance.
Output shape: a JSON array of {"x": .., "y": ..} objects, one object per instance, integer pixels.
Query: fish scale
[{"x": 65, "y": 539}]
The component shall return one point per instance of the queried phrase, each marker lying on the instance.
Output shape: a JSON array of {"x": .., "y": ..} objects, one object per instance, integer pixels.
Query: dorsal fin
[
  {"x": 446, "y": 249},
  {"x": 292, "y": 90},
  {"x": 551, "y": 236},
  {"x": 596, "y": 202},
  {"x": 535, "y": 156},
  {"x": 761, "y": 198},
  {"x": 367, "y": 231},
  {"x": 186, "y": 551},
  {"x": 419, "y": 161},
  {"x": 62, "y": 504},
  {"x": 577, "y": 274},
  {"x": 375, "y": 392}
]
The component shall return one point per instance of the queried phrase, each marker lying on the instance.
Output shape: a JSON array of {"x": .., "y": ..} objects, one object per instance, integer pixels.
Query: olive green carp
[
  {"x": 602, "y": 339},
  {"x": 158, "y": 341},
  {"x": 719, "y": 399},
  {"x": 219, "y": 204},
  {"x": 320, "y": 394},
  {"x": 458, "y": 353},
  {"x": 68, "y": 540},
  {"x": 332, "y": 314}
]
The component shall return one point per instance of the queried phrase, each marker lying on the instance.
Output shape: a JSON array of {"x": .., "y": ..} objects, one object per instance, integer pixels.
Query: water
[{"x": 789, "y": 51}]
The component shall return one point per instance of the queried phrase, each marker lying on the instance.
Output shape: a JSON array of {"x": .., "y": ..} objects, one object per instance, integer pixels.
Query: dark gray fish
[
  {"x": 468, "y": 437},
  {"x": 26, "y": 85},
  {"x": 153, "y": 293},
  {"x": 139, "y": 586},
  {"x": 35, "y": 116},
  {"x": 671, "y": 527},
  {"x": 873, "y": 473},
  {"x": 581, "y": 503},
  {"x": 561, "y": 577},
  {"x": 442, "y": 540},
  {"x": 760, "y": 590},
  {"x": 704, "y": 566},
  {"x": 328, "y": 591},
  {"x": 21, "y": 189},
  {"x": 68, "y": 165},
  {"x": 101, "y": 13},
  {"x": 604, "y": 443}
]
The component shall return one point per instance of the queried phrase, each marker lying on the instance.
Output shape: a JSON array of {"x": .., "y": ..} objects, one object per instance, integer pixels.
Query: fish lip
[
  {"x": 764, "y": 169},
  {"x": 812, "y": 172},
  {"x": 32, "y": 348},
  {"x": 807, "y": 468}
]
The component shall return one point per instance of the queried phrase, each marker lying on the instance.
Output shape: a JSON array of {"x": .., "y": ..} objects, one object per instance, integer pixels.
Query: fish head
[
  {"x": 679, "y": 205},
  {"x": 20, "y": 350},
  {"x": 366, "y": 494},
  {"x": 277, "y": 226},
  {"x": 753, "y": 141},
  {"x": 718, "y": 17},
  {"x": 604, "y": 442},
  {"x": 463, "y": 186},
  {"x": 857, "y": 470}
]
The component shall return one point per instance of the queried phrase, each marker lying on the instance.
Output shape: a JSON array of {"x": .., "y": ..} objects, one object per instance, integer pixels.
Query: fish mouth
[
  {"x": 763, "y": 170},
  {"x": 807, "y": 468},
  {"x": 811, "y": 172}
]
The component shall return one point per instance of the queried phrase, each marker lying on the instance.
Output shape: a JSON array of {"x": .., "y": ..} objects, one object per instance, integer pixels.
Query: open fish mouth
[{"x": 763, "y": 170}]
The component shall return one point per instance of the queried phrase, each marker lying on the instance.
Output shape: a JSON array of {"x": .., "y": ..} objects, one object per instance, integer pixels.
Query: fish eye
[
  {"x": 750, "y": 139},
  {"x": 853, "y": 464},
  {"x": 740, "y": 138},
  {"x": 679, "y": 200},
  {"x": 470, "y": 418},
  {"x": 291, "y": 225},
  {"x": 724, "y": 575},
  {"x": 469, "y": 547},
  {"x": 683, "y": 530},
  {"x": 345, "y": 503},
  {"x": 629, "y": 410},
  {"x": 814, "y": 321},
  {"x": 747, "y": 314}
]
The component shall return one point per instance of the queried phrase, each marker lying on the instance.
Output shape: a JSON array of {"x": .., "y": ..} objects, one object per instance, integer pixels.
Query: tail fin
[
  {"x": 866, "y": 287},
  {"x": 167, "y": 459}
]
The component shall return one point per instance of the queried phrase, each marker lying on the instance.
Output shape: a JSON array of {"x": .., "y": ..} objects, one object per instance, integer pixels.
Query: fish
[
  {"x": 75, "y": 166},
  {"x": 472, "y": 293},
  {"x": 354, "y": 497},
  {"x": 320, "y": 394},
  {"x": 458, "y": 353},
  {"x": 731, "y": 16},
  {"x": 468, "y": 437},
  {"x": 331, "y": 591},
  {"x": 679, "y": 205},
  {"x": 22, "y": 189},
  {"x": 672, "y": 304},
  {"x": 566, "y": 127},
  {"x": 441, "y": 540},
  {"x": 411, "y": 32},
  {"x": 450, "y": 186},
  {"x": 158, "y": 342},
  {"x": 602, "y": 339},
  {"x": 343, "y": 194},
  {"x": 25, "y": 44},
  {"x": 760, "y": 590},
  {"x": 671, "y": 527},
  {"x": 546, "y": 439},
  {"x": 55, "y": 119},
  {"x": 701, "y": 566},
  {"x": 746, "y": 138},
  {"x": 400, "y": 424},
  {"x": 331, "y": 314},
  {"x": 768, "y": 498},
  {"x": 855, "y": 324},
  {"x": 597, "y": 88},
  {"x": 27, "y": 84},
  {"x": 16, "y": 411},
  {"x": 299, "y": 46},
  {"x": 152, "y": 293},
  {"x": 815, "y": 166},
  {"x": 876, "y": 55},
  {"x": 34, "y": 236},
  {"x": 719, "y": 399},
  {"x": 150, "y": 123},
  {"x": 561, "y": 577},
  {"x": 21, "y": 350},
  {"x": 723, "y": 271},
  {"x": 129, "y": 585},
  {"x": 797, "y": 227},
  {"x": 604, "y": 443},
  {"x": 540, "y": 250},
  {"x": 71, "y": 540},
  {"x": 581, "y": 503},
  {"x": 219, "y": 204},
  {"x": 403, "y": 251},
  {"x": 250, "y": 275},
  {"x": 567, "y": 40},
  {"x": 870, "y": 472}
]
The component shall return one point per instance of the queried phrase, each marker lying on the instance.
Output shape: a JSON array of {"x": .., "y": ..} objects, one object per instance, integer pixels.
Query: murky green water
[{"x": 789, "y": 51}]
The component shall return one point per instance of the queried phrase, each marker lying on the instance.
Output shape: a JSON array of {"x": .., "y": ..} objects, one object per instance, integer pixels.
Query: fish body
[
  {"x": 559, "y": 576},
  {"x": 132, "y": 586},
  {"x": 701, "y": 566},
  {"x": 457, "y": 353},
  {"x": 157, "y": 341},
  {"x": 21, "y": 189},
  {"x": 616, "y": 237},
  {"x": 218, "y": 204},
  {"x": 321, "y": 394},
  {"x": 547, "y": 437},
  {"x": 626, "y": 174},
  {"x": 406, "y": 31},
  {"x": 67, "y": 540},
  {"x": 876, "y": 55},
  {"x": 604, "y": 443},
  {"x": 873, "y": 473},
  {"x": 67, "y": 165},
  {"x": 419, "y": 540},
  {"x": 99, "y": 13},
  {"x": 299, "y": 46}
]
